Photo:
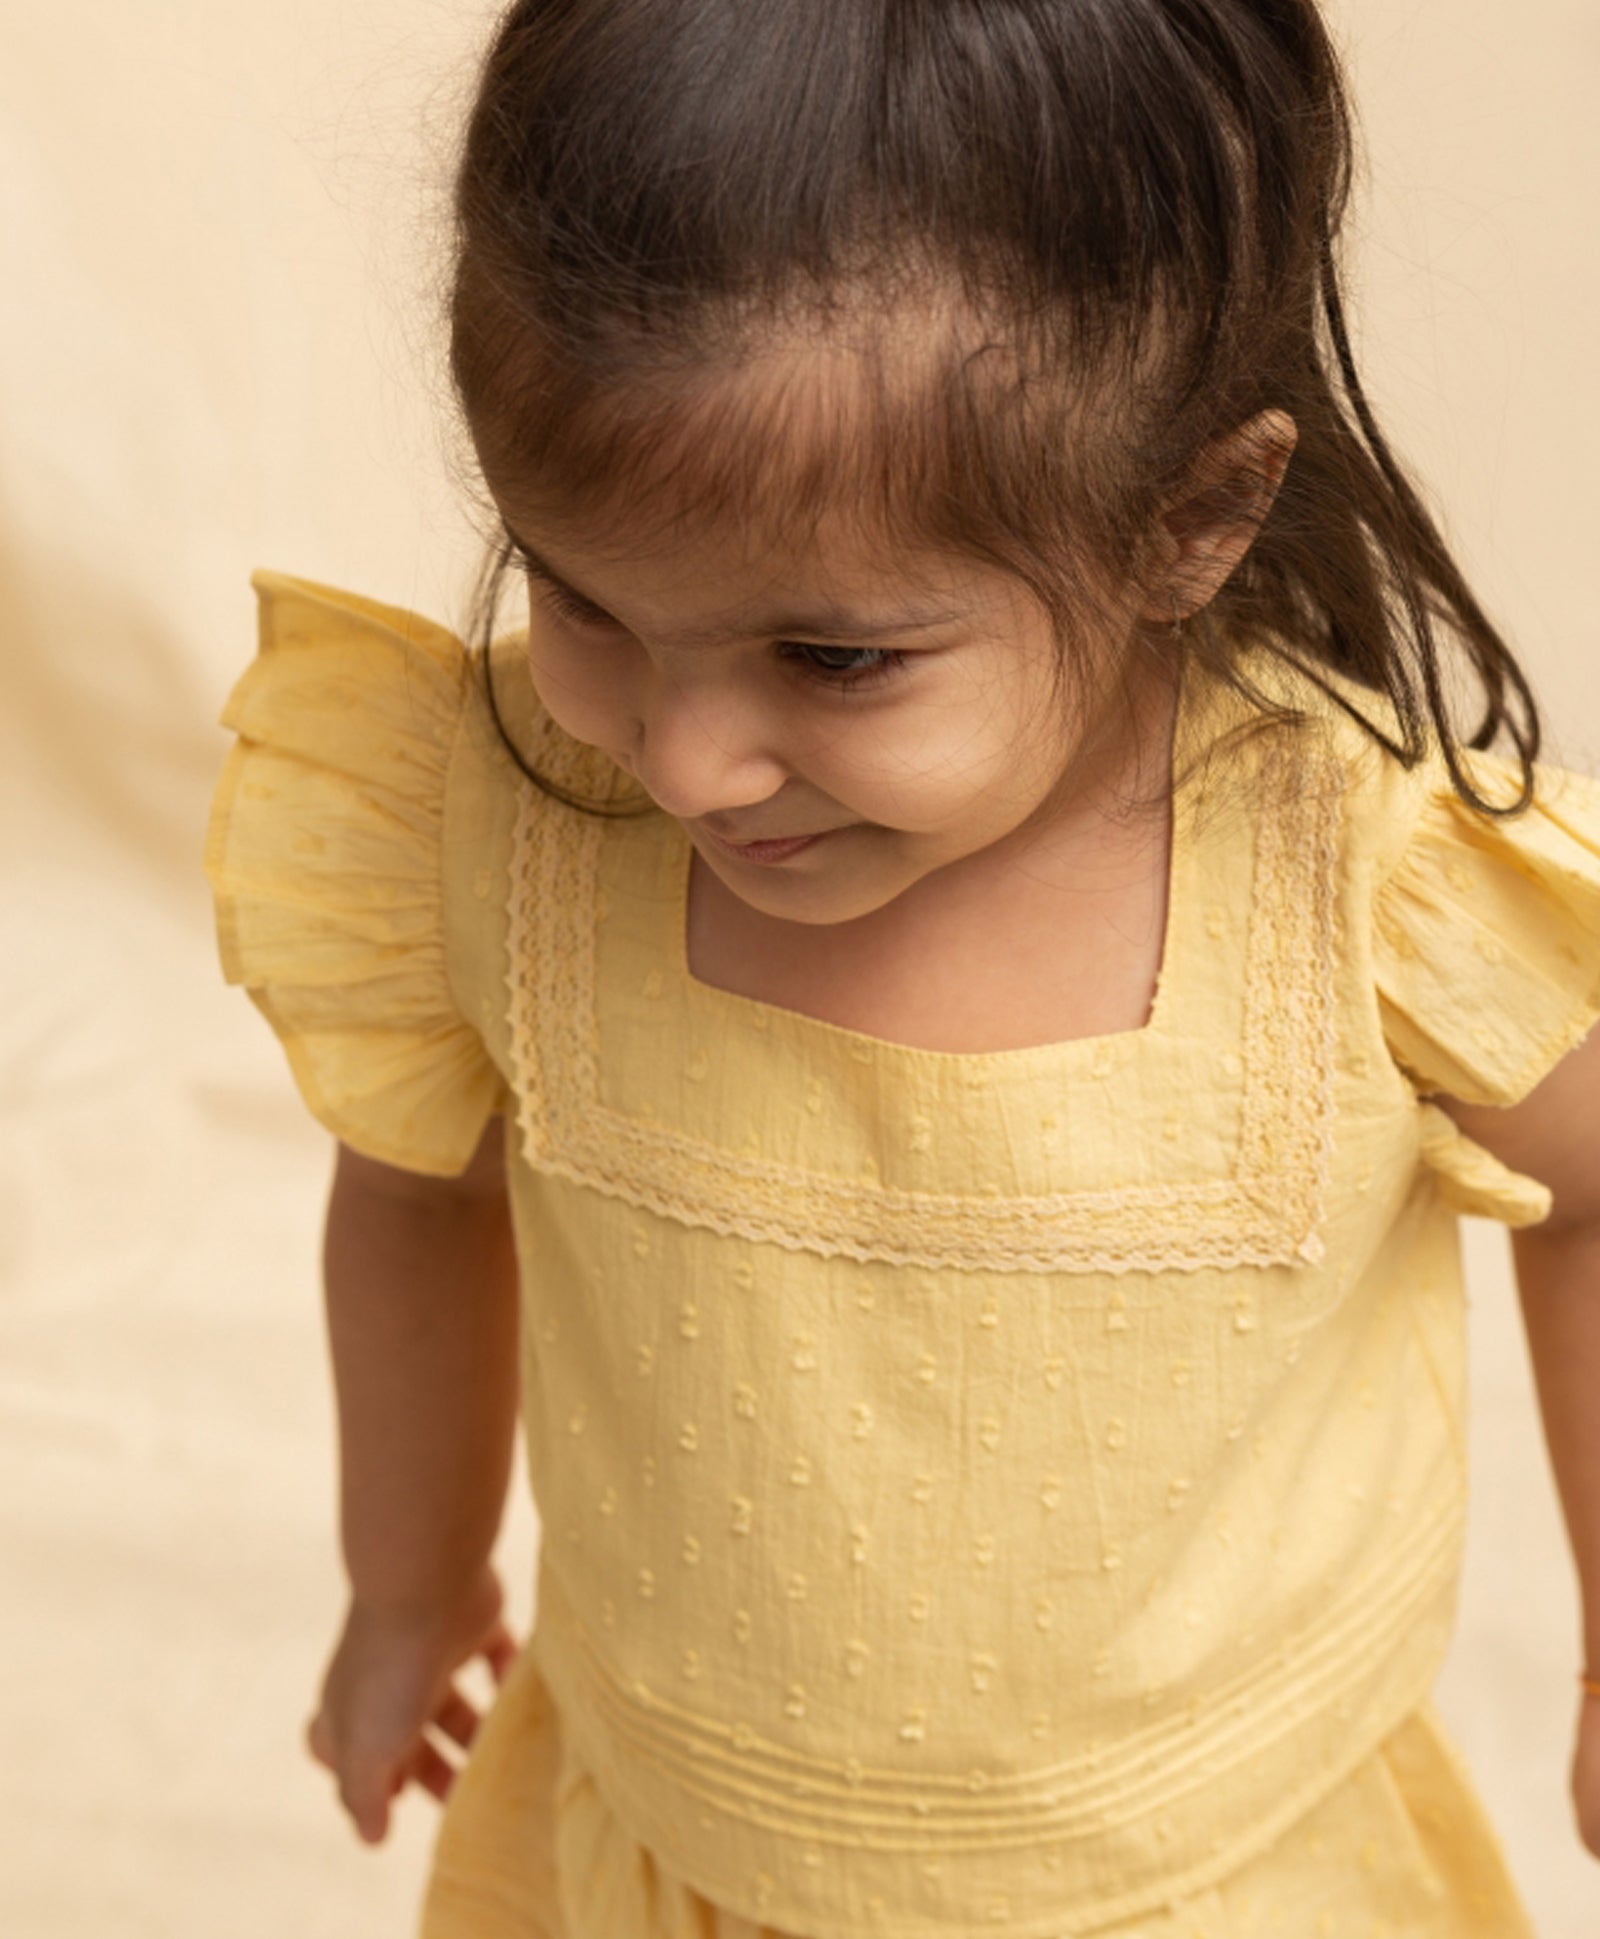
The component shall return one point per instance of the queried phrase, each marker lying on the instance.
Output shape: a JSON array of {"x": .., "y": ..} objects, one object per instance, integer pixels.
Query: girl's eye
[
  {"x": 559, "y": 600},
  {"x": 840, "y": 667},
  {"x": 850, "y": 667}
]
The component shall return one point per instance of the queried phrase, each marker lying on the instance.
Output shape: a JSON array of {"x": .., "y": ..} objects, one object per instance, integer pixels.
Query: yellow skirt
[{"x": 528, "y": 1849}]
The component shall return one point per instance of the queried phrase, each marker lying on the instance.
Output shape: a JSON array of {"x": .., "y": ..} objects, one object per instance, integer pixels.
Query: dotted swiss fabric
[{"x": 1017, "y": 1493}]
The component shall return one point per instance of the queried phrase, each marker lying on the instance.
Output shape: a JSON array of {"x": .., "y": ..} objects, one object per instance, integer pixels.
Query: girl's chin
[{"x": 817, "y": 897}]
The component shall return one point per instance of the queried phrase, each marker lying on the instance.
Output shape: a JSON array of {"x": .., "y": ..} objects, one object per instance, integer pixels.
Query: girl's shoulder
[
  {"x": 1391, "y": 808},
  {"x": 1476, "y": 934},
  {"x": 1481, "y": 929}
]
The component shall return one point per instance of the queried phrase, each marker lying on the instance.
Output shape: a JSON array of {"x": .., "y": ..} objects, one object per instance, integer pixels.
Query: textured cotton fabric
[
  {"x": 529, "y": 1849},
  {"x": 1018, "y": 1492}
]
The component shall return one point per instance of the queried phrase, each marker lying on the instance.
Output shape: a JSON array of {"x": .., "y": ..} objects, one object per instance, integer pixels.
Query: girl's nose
[{"x": 699, "y": 751}]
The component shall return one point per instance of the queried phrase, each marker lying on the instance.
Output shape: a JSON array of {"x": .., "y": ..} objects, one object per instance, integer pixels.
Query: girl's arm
[
  {"x": 421, "y": 1285},
  {"x": 422, "y": 1304},
  {"x": 1554, "y": 1136}
]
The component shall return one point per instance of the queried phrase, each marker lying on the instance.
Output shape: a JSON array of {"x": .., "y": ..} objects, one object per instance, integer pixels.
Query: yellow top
[{"x": 992, "y": 1491}]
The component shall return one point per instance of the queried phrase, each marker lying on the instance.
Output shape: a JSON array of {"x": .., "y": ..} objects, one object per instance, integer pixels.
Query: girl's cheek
[
  {"x": 588, "y": 670},
  {"x": 578, "y": 696}
]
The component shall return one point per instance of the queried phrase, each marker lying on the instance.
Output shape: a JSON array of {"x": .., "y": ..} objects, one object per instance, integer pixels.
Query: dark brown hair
[{"x": 1068, "y": 244}]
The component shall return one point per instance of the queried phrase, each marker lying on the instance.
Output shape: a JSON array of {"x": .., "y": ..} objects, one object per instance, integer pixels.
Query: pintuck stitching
[{"x": 749, "y": 1774}]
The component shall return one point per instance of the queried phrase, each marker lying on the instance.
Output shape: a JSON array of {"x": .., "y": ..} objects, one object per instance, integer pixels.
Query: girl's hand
[
  {"x": 1586, "y": 1774},
  {"x": 389, "y": 1680}
]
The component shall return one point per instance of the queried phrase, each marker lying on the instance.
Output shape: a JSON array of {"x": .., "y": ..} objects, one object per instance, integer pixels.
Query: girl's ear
[{"x": 1203, "y": 534}]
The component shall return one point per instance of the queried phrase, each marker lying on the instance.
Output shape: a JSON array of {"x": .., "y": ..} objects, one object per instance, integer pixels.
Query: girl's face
[{"x": 905, "y": 716}]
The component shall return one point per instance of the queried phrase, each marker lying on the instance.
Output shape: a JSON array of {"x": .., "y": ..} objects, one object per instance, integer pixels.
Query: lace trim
[{"x": 1267, "y": 1212}]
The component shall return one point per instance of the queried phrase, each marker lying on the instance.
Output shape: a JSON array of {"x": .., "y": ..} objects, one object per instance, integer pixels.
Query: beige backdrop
[{"x": 220, "y": 224}]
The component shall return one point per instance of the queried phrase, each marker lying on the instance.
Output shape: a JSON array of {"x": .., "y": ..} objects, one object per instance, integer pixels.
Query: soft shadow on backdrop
[{"x": 221, "y": 226}]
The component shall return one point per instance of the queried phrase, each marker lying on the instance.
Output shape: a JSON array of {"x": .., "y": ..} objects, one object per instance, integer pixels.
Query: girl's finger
[
  {"x": 365, "y": 1790},
  {"x": 431, "y": 1771},
  {"x": 457, "y": 1718},
  {"x": 319, "y": 1742},
  {"x": 499, "y": 1648}
]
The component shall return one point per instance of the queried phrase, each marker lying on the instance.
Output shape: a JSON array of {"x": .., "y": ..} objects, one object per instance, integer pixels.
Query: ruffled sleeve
[
  {"x": 324, "y": 853},
  {"x": 1487, "y": 935}
]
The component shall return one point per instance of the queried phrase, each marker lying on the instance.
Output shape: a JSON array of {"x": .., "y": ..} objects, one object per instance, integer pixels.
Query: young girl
[{"x": 934, "y": 1013}]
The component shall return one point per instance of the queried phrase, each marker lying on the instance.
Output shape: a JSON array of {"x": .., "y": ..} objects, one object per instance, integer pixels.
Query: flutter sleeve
[
  {"x": 1487, "y": 935},
  {"x": 1486, "y": 940},
  {"x": 324, "y": 852}
]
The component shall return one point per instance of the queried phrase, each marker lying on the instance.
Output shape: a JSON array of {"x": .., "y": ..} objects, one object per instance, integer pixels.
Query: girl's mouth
[{"x": 769, "y": 851}]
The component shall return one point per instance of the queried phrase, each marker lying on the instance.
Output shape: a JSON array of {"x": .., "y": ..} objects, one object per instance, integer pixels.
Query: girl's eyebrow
[{"x": 837, "y": 622}]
